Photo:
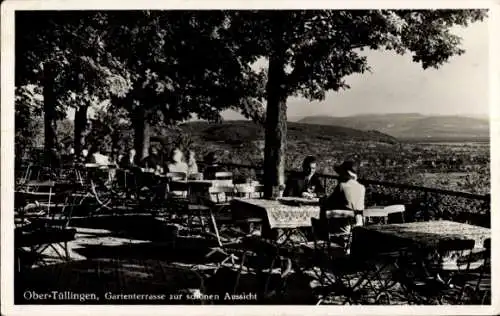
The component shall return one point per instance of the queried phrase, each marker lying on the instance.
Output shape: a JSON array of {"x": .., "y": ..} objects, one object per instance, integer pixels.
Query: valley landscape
[{"x": 454, "y": 159}]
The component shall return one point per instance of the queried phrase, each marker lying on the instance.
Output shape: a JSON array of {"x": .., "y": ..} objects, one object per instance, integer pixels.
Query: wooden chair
[
  {"x": 433, "y": 277},
  {"x": 223, "y": 175},
  {"x": 476, "y": 283},
  {"x": 180, "y": 176},
  {"x": 249, "y": 191},
  {"x": 220, "y": 214},
  {"x": 195, "y": 176},
  {"x": 395, "y": 209},
  {"x": 370, "y": 213},
  {"x": 332, "y": 217},
  {"x": 177, "y": 189}
]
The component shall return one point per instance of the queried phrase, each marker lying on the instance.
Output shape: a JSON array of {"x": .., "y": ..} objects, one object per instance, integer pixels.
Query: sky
[{"x": 398, "y": 85}]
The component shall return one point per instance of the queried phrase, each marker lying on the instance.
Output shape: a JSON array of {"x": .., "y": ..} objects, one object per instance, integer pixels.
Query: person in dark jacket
[
  {"x": 128, "y": 160},
  {"x": 211, "y": 166},
  {"x": 307, "y": 183},
  {"x": 152, "y": 161}
]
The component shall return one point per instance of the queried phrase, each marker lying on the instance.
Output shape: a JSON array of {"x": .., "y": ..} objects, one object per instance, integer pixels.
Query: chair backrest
[
  {"x": 222, "y": 194},
  {"x": 195, "y": 176},
  {"x": 397, "y": 208},
  {"x": 375, "y": 212},
  {"x": 177, "y": 175},
  {"x": 223, "y": 175},
  {"x": 339, "y": 214},
  {"x": 455, "y": 245},
  {"x": 250, "y": 191},
  {"x": 487, "y": 243}
]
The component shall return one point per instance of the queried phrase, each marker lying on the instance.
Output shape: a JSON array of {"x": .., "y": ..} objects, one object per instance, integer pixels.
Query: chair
[
  {"x": 223, "y": 175},
  {"x": 432, "y": 277},
  {"x": 332, "y": 218},
  {"x": 180, "y": 176},
  {"x": 371, "y": 213},
  {"x": 397, "y": 208},
  {"x": 176, "y": 183},
  {"x": 220, "y": 213},
  {"x": 249, "y": 191},
  {"x": 46, "y": 229},
  {"x": 474, "y": 282},
  {"x": 269, "y": 262},
  {"x": 195, "y": 176}
]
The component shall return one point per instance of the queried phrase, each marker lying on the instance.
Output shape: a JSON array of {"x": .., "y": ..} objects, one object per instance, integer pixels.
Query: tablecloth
[
  {"x": 432, "y": 232},
  {"x": 279, "y": 215}
]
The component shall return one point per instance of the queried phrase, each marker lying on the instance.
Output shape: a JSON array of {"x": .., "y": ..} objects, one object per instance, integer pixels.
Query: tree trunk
[
  {"x": 141, "y": 133},
  {"x": 49, "y": 104},
  {"x": 276, "y": 125},
  {"x": 80, "y": 127}
]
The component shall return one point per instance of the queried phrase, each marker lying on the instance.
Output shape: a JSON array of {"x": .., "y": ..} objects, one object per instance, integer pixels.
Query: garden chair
[
  {"x": 429, "y": 277},
  {"x": 396, "y": 209}
]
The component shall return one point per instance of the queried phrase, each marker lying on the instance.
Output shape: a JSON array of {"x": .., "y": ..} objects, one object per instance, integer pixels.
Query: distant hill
[
  {"x": 411, "y": 126},
  {"x": 240, "y": 132}
]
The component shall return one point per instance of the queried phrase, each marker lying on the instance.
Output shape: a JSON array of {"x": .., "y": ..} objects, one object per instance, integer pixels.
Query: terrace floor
[{"x": 138, "y": 254}]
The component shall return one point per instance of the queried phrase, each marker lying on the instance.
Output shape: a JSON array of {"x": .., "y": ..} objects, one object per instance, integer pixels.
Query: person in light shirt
[
  {"x": 192, "y": 165},
  {"x": 348, "y": 195},
  {"x": 177, "y": 163},
  {"x": 99, "y": 158}
]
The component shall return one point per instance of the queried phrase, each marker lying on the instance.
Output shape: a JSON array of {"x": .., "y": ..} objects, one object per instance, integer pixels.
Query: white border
[{"x": 7, "y": 162}]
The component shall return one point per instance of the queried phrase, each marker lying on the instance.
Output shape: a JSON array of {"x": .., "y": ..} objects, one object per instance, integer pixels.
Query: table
[
  {"x": 198, "y": 191},
  {"x": 427, "y": 234},
  {"x": 278, "y": 214},
  {"x": 39, "y": 240},
  {"x": 422, "y": 255}
]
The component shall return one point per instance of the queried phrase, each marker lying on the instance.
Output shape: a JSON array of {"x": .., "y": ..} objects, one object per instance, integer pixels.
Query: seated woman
[
  {"x": 307, "y": 183},
  {"x": 348, "y": 195},
  {"x": 98, "y": 157},
  {"x": 191, "y": 163},
  {"x": 177, "y": 163}
]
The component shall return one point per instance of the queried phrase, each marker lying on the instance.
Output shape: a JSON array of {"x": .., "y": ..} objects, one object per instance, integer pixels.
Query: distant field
[
  {"x": 447, "y": 141},
  {"x": 461, "y": 166}
]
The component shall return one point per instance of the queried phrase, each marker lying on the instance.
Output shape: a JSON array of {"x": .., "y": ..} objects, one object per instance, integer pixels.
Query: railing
[{"x": 422, "y": 203}]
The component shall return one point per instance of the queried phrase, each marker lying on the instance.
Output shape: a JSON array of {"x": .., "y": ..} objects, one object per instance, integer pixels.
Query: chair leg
[
  {"x": 214, "y": 226},
  {"x": 269, "y": 276},
  {"x": 66, "y": 251},
  {"x": 237, "y": 283}
]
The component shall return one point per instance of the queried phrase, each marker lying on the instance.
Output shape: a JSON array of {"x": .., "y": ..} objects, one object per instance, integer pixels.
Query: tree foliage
[
  {"x": 180, "y": 65},
  {"x": 312, "y": 51},
  {"x": 322, "y": 47},
  {"x": 73, "y": 43}
]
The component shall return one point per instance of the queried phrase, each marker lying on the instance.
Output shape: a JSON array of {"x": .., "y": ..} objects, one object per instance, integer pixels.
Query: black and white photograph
[{"x": 248, "y": 156}]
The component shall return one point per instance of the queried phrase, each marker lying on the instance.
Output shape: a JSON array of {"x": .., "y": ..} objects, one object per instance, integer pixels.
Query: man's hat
[{"x": 347, "y": 167}]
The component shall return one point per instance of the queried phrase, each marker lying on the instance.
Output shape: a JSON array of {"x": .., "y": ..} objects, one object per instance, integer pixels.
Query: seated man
[
  {"x": 211, "y": 166},
  {"x": 348, "y": 195},
  {"x": 128, "y": 160},
  {"x": 152, "y": 161},
  {"x": 307, "y": 183}
]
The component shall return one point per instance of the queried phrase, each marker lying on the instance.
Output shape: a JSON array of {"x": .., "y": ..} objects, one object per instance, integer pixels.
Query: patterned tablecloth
[
  {"x": 431, "y": 233},
  {"x": 278, "y": 214}
]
